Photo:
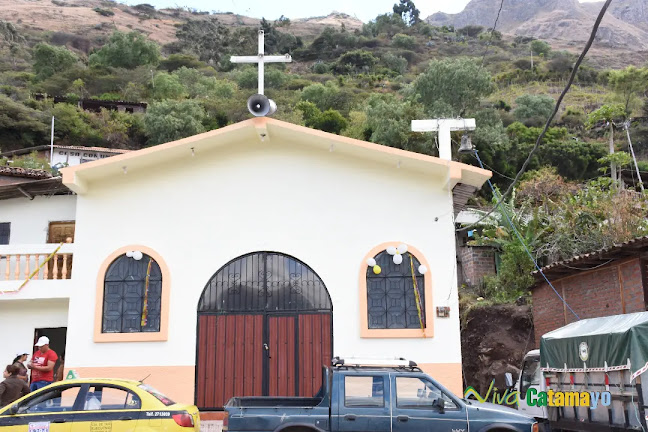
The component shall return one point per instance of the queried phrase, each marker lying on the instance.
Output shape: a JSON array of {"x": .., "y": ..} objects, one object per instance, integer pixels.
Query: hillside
[
  {"x": 81, "y": 17},
  {"x": 560, "y": 22}
]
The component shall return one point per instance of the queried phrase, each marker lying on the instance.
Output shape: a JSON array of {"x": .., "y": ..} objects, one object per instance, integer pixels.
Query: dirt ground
[{"x": 493, "y": 341}]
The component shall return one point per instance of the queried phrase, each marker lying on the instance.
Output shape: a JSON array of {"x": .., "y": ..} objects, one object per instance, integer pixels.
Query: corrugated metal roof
[{"x": 594, "y": 259}]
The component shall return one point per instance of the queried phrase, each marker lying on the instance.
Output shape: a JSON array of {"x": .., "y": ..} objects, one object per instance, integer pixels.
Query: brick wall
[
  {"x": 476, "y": 262},
  {"x": 590, "y": 294}
]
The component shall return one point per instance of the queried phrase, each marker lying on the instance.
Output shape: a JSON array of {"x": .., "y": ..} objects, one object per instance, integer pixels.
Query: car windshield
[{"x": 159, "y": 396}]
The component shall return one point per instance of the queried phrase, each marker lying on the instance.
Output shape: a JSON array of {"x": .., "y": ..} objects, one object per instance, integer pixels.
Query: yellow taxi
[{"x": 98, "y": 405}]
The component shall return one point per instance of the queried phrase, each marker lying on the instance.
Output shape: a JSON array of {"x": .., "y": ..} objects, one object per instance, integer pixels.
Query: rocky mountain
[{"x": 624, "y": 26}]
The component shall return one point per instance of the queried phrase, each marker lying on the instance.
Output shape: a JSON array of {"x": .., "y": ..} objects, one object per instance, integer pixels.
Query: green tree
[
  {"x": 629, "y": 83},
  {"x": 389, "y": 122},
  {"x": 540, "y": 48},
  {"x": 176, "y": 61},
  {"x": 404, "y": 41},
  {"x": 168, "y": 86},
  {"x": 357, "y": 127},
  {"x": 127, "y": 50},
  {"x": 172, "y": 120},
  {"x": 407, "y": 11},
  {"x": 72, "y": 125},
  {"x": 450, "y": 87},
  {"x": 395, "y": 63},
  {"x": 49, "y": 60},
  {"x": 20, "y": 125},
  {"x": 356, "y": 61},
  {"x": 608, "y": 113},
  {"x": 330, "y": 121},
  {"x": 533, "y": 110},
  {"x": 328, "y": 96},
  {"x": 201, "y": 86}
]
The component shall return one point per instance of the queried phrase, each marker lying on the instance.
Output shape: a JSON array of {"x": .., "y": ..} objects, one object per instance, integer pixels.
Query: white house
[{"x": 236, "y": 262}]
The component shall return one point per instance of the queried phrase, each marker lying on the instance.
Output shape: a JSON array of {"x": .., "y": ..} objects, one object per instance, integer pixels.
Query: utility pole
[
  {"x": 613, "y": 170},
  {"x": 627, "y": 129},
  {"x": 531, "y": 58},
  {"x": 52, "y": 143}
]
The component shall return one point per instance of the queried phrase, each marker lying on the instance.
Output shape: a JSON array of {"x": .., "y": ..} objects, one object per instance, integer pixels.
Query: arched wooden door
[{"x": 265, "y": 328}]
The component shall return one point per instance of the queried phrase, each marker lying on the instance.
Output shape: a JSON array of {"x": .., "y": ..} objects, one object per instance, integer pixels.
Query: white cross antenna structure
[
  {"x": 444, "y": 126},
  {"x": 261, "y": 59}
]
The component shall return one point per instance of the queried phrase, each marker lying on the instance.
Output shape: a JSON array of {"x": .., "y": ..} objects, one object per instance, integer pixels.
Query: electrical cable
[
  {"x": 588, "y": 268},
  {"x": 491, "y": 33},
  {"x": 597, "y": 23},
  {"x": 519, "y": 237}
]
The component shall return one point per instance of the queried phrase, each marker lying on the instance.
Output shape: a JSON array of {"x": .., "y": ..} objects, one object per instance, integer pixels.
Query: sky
[{"x": 364, "y": 10}]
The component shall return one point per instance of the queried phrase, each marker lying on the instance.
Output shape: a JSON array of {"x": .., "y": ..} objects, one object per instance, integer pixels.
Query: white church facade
[{"x": 239, "y": 261}]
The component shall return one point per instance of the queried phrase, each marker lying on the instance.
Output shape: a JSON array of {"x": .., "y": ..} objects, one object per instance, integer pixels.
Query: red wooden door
[
  {"x": 314, "y": 351},
  {"x": 281, "y": 356},
  {"x": 233, "y": 360},
  {"x": 230, "y": 358}
]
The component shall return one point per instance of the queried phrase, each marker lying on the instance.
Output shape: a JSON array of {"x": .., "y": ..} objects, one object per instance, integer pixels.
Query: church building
[{"x": 239, "y": 261}]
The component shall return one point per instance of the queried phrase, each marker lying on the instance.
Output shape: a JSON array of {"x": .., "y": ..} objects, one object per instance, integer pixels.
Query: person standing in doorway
[
  {"x": 19, "y": 362},
  {"x": 42, "y": 364}
]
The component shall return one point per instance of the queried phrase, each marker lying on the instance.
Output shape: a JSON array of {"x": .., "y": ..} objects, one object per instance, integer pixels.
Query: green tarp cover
[{"x": 614, "y": 342}]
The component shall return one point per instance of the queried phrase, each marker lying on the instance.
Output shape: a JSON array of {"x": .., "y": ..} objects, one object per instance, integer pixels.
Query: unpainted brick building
[{"x": 609, "y": 281}]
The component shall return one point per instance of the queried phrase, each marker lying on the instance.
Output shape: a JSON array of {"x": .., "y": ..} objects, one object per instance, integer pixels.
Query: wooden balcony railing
[{"x": 18, "y": 262}]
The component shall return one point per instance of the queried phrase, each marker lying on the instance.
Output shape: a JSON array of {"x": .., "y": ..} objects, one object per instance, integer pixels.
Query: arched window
[
  {"x": 132, "y": 296},
  {"x": 391, "y": 298}
]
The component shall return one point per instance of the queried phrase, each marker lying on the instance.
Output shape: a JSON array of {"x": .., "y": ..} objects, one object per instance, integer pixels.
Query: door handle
[
  {"x": 59, "y": 420},
  {"x": 402, "y": 418},
  {"x": 350, "y": 417},
  {"x": 125, "y": 418}
]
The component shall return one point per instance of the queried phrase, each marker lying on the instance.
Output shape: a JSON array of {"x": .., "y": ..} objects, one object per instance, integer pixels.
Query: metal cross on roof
[{"x": 261, "y": 59}]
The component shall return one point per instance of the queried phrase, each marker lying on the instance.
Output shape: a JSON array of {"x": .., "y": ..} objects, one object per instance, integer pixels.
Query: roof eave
[{"x": 75, "y": 177}]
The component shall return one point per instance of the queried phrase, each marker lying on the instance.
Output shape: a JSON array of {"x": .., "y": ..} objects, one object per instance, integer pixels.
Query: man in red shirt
[{"x": 42, "y": 364}]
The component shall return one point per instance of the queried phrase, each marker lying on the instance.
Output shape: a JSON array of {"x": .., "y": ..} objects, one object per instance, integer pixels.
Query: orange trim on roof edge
[{"x": 264, "y": 123}]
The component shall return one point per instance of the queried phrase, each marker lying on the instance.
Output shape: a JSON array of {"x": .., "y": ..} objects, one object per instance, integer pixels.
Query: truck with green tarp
[{"x": 586, "y": 376}]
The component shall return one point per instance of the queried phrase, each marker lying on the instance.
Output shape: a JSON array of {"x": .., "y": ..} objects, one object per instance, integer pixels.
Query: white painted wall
[
  {"x": 30, "y": 218},
  {"x": 19, "y": 319},
  {"x": 326, "y": 209}
]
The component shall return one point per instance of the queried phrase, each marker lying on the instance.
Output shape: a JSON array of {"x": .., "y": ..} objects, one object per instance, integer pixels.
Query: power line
[
  {"x": 491, "y": 33},
  {"x": 597, "y": 23}
]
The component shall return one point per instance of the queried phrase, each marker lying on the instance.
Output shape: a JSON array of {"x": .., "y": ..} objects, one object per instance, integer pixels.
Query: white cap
[
  {"x": 43, "y": 340},
  {"x": 21, "y": 353}
]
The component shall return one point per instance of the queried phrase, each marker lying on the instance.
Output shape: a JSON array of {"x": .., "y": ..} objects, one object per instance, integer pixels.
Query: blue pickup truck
[{"x": 360, "y": 397}]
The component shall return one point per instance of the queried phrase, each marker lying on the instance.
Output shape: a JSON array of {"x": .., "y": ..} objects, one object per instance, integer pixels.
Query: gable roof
[{"x": 266, "y": 129}]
